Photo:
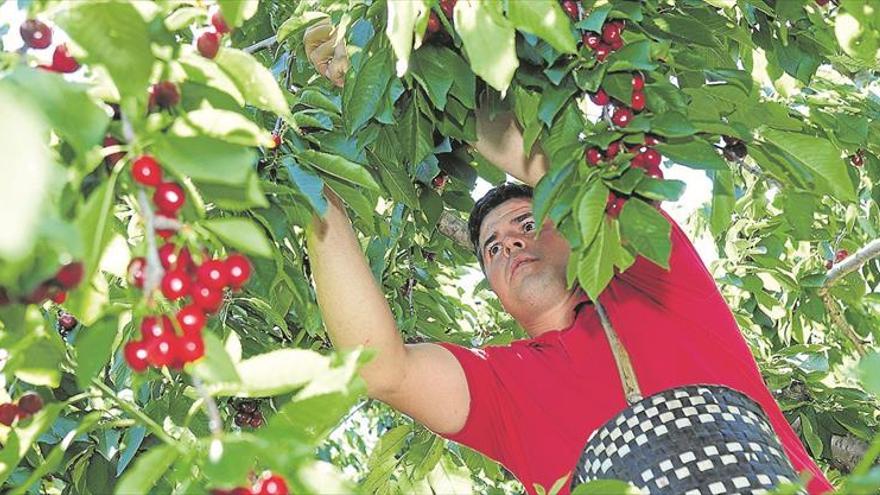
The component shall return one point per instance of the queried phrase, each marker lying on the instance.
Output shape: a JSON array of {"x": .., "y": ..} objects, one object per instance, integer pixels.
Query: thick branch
[
  {"x": 454, "y": 228},
  {"x": 271, "y": 40},
  {"x": 852, "y": 263},
  {"x": 847, "y": 451},
  {"x": 841, "y": 322}
]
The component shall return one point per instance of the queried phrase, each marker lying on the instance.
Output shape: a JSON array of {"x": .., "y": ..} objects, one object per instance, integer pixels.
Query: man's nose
[{"x": 512, "y": 244}]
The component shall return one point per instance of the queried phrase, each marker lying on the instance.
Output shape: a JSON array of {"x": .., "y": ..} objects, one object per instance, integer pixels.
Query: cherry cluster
[
  {"x": 28, "y": 405},
  {"x": 434, "y": 24},
  {"x": 208, "y": 43},
  {"x": 839, "y": 256},
  {"x": 609, "y": 41},
  {"x": 67, "y": 277},
  {"x": 268, "y": 484},
  {"x": 734, "y": 149},
  {"x": 248, "y": 414},
  {"x": 161, "y": 343},
  {"x": 36, "y": 34}
]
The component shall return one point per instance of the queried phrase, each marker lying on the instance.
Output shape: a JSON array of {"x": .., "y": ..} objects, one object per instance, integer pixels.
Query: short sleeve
[
  {"x": 482, "y": 430},
  {"x": 687, "y": 282}
]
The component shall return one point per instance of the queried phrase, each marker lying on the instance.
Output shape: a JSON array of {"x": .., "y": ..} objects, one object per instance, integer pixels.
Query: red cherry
[
  {"x": 208, "y": 44},
  {"x": 611, "y": 32},
  {"x": 651, "y": 140},
  {"x": 238, "y": 269},
  {"x": 600, "y": 97},
  {"x": 8, "y": 413},
  {"x": 447, "y": 6},
  {"x": 70, "y": 275},
  {"x": 434, "y": 24},
  {"x": 654, "y": 172},
  {"x": 169, "y": 198},
  {"x": 213, "y": 274},
  {"x": 638, "y": 101},
  {"x": 651, "y": 158},
  {"x": 614, "y": 204},
  {"x": 591, "y": 39},
  {"x": 62, "y": 61},
  {"x": 594, "y": 156},
  {"x": 190, "y": 347},
  {"x": 256, "y": 420},
  {"x": 613, "y": 150},
  {"x": 153, "y": 327},
  {"x": 602, "y": 51},
  {"x": 272, "y": 485},
  {"x": 161, "y": 351},
  {"x": 67, "y": 321},
  {"x": 39, "y": 294},
  {"x": 616, "y": 44},
  {"x": 30, "y": 403},
  {"x": 4, "y": 297},
  {"x": 829, "y": 264},
  {"x": 136, "y": 355},
  {"x": 857, "y": 160},
  {"x": 137, "y": 271},
  {"x": 840, "y": 255},
  {"x": 570, "y": 7},
  {"x": 219, "y": 23},
  {"x": 35, "y": 34},
  {"x": 164, "y": 94},
  {"x": 175, "y": 284},
  {"x": 638, "y": 82},
  {"x": 165, "y": 233},
  {"x": 439, "y": 181},
  {"x": 112, "y": 158},
  {"x": 191, "y": 319},
  {"x": 206, "y": 298},
  {"x": 622, "y": 116},
  {"x": 59, "y": 297},
  {"x": 276, "y": 138},
  {"x": 822, "y": 3},
  {"x": 146, "y": 171},
  {"x": 172, "y": 257}
]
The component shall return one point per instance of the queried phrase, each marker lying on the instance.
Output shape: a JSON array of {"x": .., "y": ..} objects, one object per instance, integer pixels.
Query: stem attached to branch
[
  {"x": 852, "y": 263},
  {"x": 137, "y": 414},
  {"x": 154, "y": 272}
]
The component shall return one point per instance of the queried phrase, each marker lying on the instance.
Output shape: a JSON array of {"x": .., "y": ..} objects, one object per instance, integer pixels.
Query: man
[{"x": 533, "y": 404}]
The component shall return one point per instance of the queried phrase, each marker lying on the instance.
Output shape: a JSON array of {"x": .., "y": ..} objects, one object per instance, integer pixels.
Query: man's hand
[{"x": 329, "y": 58}]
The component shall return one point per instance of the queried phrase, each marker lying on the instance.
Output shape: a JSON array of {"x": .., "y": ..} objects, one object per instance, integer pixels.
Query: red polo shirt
[{"x": 535, "y": 402}]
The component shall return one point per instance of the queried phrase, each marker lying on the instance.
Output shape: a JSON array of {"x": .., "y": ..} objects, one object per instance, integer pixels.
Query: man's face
[{"x": 527, "y": 274}]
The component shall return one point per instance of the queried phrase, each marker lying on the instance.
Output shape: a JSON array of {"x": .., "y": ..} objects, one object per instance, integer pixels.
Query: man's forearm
[
  {"x": 354, "y": 309},
  {"x": 501, "y": 142}
]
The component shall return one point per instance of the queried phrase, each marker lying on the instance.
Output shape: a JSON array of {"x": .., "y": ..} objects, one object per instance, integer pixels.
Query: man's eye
[
  {"x": 528, "y": 224},
  {"x": 492, "y": 250}
]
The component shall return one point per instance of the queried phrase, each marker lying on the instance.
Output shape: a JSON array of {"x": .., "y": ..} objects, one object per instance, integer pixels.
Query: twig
[
  {"x": 631, "y": 389},
  {"x": 266, "y": 43},
  {"x": 154, "y": 271},
  {"x": 215, "y": 423},
  {"x": 851, "y": 264},
  {"x": 140, "y": 416},
  {"x": 841, "y": 322}
]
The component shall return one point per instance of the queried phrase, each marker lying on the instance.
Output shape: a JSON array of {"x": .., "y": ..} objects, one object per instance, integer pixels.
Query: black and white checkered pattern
[{"x": 695, "y": 440}]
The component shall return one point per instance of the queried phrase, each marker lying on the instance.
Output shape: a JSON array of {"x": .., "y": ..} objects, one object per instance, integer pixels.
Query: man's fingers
[
  {"x": 317, "y": 34},
  {"x": 322, "y": 54}
]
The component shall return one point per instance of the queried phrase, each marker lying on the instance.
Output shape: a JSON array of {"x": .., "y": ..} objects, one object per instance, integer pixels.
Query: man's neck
[{"x": 559, "y": 317}]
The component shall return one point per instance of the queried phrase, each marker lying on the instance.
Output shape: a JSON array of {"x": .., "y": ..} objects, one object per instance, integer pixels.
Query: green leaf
[
  {"x": 856, "y": 35},
  {"x": 695, "y": 154},
  {"x": 399, "y": 185},
  {"x": 660, "y": 189},
  {"x": 596, "y": 19},
  {"x": 633, "y": 56},
  {"x": 216, "y": 367},
  {"x": 723, "y": 201},
  {"x": 97, "y": 27},
  {"x": 94, "y": 222},
  {"x": 591, "y": 211},
  {"x": 645, "y": 229},
  {"x": 254, "y": 80},
  {"x": 429, "y": 65},
  {"x": 415, "y": 134},
  {"x": 93, "y": 349},
  {"x": 596, "y": 266},
  {"x": 818, "y": 155},
  {"x": 241, "y": 234},
  {"x": 363, "y": 96},
  {"x": 489, "y": 41},
  {"x": 309, "y": 184},
  {"x": 869, "y": 373},
  {"x": 672, "y": 124},
  {"x": 545, "y": 19},
  {"x": 402, "y": 17},
  {"x": 605, "y": 487},
  {"x": 546, "y": 191},
  {"x": 235, "y": 12},
  {"x": 234, "y": 197},
  {"x": 297, "y": 21},
  {"x": 183, "y": 17},
  {"x": 148, "y": 469},
  {"x": 231, "y": 127},
  {"x": 280, "y": 371},
  {"x": 71, "y": 112},
  {"x": 205, "y": 159},
  {"x": 317, "y": 99},
  {"x": 809, "y": 431},
  {"x": 20, "y": 439},
  {"x": 339, "y": 167},
  {"x": 552, "y": 101}
]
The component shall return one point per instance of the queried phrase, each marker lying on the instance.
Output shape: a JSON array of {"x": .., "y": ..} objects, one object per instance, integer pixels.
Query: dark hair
[{"x": 487, "y": 203}]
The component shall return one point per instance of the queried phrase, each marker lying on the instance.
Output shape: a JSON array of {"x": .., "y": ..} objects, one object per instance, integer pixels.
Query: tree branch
[
  {"x": 841, "y": 322},
  {"x": 847, "y": 451},
  {"x": 851, "y": 263},
  {"x": 455, "y": 228},
  {"x": 271, "y": 40}
]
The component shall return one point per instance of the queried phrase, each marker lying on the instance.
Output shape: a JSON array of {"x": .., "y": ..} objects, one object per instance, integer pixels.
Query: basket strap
[{"x": 631, "y": 389}]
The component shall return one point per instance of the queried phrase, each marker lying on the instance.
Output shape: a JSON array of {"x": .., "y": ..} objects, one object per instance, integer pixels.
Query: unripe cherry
[
  {"x": 62, "y": 61},
  {"x": 213, "y": 274},
  {"x": 594, "y": 156},
  {"x": 153, "y": 327},
  {"x": 600, "y": 97},
  {"x": 591, "y": 39},
  {"x": 146, "y": 171},
  {"x": 175, "y": 284},
  {"x": 208, "y": 44},
  {"x": 616, "y": 44},
  {"x": 164, "y": 94},
  {"x": 30, "y": 403},
  {"x": 651, "y": 140},
  {"x": 622, "y": 116},
  {"x": 169, "y": 198},
  {"x": 191, "y": 319},
  {"x": 638, "y": 101},
  {"x": 35, "y": 34},
  {"x": 206, "y": 298},
  {"x": 219, "y": 23},
  {"x": 70, "y": 275},
  {"x": 238, "y": 269},
  {"x": 135, "y": 353},
  {"x": 59, "y": 297}
]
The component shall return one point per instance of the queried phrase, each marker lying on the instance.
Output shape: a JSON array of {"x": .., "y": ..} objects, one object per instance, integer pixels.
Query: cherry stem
[
  {"x": 154, "y": 270},
  {"x": 215, "y": 423},
  {"x": 132, "y": 410}
]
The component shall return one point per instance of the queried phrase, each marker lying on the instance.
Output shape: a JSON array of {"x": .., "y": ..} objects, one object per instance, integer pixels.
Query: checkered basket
[{"x": 691, "y": 440}]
